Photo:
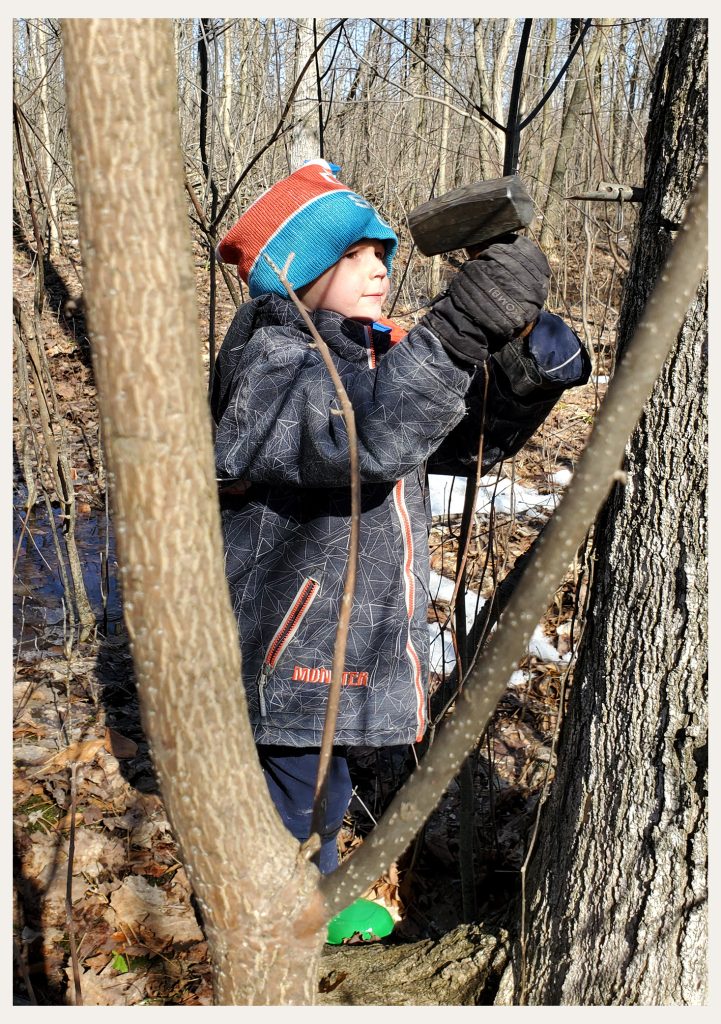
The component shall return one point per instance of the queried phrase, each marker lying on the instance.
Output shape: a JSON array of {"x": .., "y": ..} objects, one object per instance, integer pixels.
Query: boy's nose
[{"x": 380, "y": 269}]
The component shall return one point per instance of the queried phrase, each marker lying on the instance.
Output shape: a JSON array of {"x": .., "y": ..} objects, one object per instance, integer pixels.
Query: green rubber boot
[{"x": 368, "y": 919}]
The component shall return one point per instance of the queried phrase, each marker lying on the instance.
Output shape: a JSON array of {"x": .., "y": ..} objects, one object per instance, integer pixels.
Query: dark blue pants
[{"x": 290, "y": 773}]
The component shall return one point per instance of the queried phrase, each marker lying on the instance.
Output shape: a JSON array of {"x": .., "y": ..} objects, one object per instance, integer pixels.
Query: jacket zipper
[
  {"x": 370, "y": 348},
  {"x": 399, "y": 500},
  {"x": 285, "y": 633}
]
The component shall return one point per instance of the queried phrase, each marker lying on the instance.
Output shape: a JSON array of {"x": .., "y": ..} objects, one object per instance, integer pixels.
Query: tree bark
[
  {"x": 462, "y": 968},
  {"x": 616, "y": 898},
  {"x": 553, "y": 212},
  {"x": 261, "y": 911},
  {"x": 305, "y": 143}
]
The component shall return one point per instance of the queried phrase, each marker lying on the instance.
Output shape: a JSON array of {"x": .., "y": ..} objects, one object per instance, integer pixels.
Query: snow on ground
[
  {"x": 443, "y": 658},
  {"x": 450, "y": 491},
  {"x": 447, "y": 494},
  {"x": 562, "y": 477}
]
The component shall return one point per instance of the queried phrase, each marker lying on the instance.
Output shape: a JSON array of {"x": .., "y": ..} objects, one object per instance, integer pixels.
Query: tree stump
[{"x": 463, "y": 968}]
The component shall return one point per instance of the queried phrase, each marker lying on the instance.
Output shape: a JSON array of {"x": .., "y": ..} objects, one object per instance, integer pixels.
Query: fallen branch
[{"x": 69, "y": 886}]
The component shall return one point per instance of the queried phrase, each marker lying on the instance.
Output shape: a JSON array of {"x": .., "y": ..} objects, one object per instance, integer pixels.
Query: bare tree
[
  {"x": 242, "y": 863},
  {"x": 551, "y": 230},
  {"x": 305, "y": 144},
  {"x": 616, "y": 898}
]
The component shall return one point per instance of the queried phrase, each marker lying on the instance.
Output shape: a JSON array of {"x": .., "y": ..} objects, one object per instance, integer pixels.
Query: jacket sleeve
[
  {"x": 280, "y": 420},
  {"x": 515, "y": 405}
]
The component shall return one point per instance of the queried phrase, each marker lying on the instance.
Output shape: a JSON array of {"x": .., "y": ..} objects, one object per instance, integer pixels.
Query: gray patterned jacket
[{"x": 286, "y": 537}]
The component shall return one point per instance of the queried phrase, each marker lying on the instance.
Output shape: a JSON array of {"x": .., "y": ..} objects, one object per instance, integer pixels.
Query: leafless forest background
[{"x": 409, "y": 108}]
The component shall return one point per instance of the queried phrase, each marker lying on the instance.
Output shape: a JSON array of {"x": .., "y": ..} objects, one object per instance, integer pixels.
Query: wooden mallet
[{"x": 471, "y": 216}]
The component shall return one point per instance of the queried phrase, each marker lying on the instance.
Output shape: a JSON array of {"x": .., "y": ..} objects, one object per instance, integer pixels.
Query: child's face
[{"x": 356, "y": 286}]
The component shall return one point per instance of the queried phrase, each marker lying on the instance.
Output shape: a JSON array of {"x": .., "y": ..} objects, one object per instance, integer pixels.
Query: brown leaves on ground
[{"x": 131, "y": 899}]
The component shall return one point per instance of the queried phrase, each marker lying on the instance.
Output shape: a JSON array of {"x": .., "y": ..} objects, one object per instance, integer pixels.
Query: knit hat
[{"x": 309, "y": 213}]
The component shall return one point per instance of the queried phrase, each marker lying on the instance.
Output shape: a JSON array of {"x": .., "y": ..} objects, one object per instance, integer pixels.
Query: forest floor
[{"x": 82, "y": 772}]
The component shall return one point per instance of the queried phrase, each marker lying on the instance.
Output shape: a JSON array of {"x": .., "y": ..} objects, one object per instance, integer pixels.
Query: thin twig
[
  {"x": 464, "y": 541},
  {"x": 212, "y": 237},
  {"x": 331, "y": 715},
  {"x": 69, "y": 887}
]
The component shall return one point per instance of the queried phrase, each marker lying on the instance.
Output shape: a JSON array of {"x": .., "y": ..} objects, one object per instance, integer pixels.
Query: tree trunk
[
  {"x": 492, "y": 36},
  {"x": 616, "y": 898},
  {"x": 553, "y": 213},
  {"x": 548, "y": 43},
  {"x": 462, "y": 968},
  {"x": 618, "y": 110},
  {"x": 261, "y": 910},
  {"x": 419, "y": 116},
  {"x": 442, "y": 184},
  {"x": 49, "y": 146},
  {"x": 305, "y": 143},
  {"x": 225, "y": 103}
]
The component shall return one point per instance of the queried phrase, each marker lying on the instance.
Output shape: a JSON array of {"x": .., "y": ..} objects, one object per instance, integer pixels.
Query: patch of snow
[
  {"x": 441, "y": 589},
  {"x": 562, "y": 477},
  {"x": 520, "y": 498},
  {"x": 540, "y": 646},
  {"x": 447, "y": 494},
  {"x": 442, "y": 655},
  {"x": 600, "y": 379}
]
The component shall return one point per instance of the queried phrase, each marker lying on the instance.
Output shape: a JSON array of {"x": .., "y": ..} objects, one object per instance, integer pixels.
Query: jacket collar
[{"x": 346, "y": 337}]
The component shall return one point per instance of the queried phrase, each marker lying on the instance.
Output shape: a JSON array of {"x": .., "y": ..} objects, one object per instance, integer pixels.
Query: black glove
[
  {"x": 550, "y": 358},
  {"x": 491, "y": 298}
]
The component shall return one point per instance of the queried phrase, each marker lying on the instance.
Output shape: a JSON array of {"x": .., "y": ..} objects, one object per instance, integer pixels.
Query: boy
[{"x": 418, "y": 402}]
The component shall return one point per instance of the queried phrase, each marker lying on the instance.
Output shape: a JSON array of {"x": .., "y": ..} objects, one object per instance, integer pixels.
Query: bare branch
[{"x": 346, "y": 604}]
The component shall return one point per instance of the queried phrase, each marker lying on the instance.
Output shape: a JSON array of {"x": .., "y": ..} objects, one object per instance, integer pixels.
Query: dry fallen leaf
[
  {"x": 167, "y": 915},
  {"x": 65, "y": 822},
  {"x": 119, "y": 746},
  {"x": 82, "y": 753},
  {"x": 96, "y": 852},
  {"x": 108, "y": 988}
]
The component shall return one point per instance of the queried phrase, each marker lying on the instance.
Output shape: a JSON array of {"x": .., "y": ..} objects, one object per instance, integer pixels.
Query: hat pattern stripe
[{"x": 267, "y": 226}]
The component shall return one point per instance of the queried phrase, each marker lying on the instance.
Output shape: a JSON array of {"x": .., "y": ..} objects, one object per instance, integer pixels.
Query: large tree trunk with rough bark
[
  {"x": 262, "y": 913},
  {"x": 460, "y": 968},
  {"x": 616, "y": 900}
]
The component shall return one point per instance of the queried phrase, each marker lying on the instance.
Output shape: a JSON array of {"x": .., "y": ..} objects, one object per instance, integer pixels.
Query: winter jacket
[{"x": 286, "y": 536}]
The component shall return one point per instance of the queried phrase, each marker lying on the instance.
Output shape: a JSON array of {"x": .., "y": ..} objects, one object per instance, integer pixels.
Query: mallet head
[{"x": 471, "y": 215}]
